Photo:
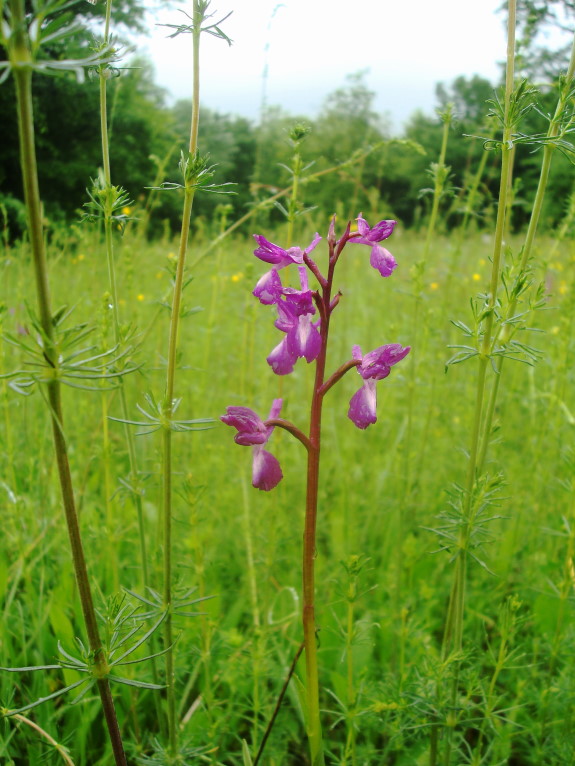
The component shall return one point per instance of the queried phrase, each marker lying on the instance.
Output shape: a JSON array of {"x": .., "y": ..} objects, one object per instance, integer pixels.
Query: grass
[{"x": 242, "y": 547}]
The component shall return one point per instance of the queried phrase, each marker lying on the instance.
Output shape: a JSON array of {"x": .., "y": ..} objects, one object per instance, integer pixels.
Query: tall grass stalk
[
  {"x": 110, "y": 197},
  {"x": 21, "y": 60},
  {"x": 108, "y": 221},
  {"x": 453, "y": 636},
  {"x": 168, "y": 401},
  {"x": 556, "y": 131}
]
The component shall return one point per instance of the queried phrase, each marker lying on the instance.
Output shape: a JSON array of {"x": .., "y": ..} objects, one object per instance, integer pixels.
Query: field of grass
[{"x": 384, "y": 566}]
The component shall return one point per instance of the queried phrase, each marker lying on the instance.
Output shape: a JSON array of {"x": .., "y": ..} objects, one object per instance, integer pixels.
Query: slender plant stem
[
  {"x": 23, "y": 80},
  {"x": 56, "y": 745},
  {"x": 309, "y": 540},
  {"x": 278, "y": 704},
  {"x": 507, "y": 329},
  {"x": 116, "y": 317},
  {"x": 169, "y": 393},
  {"x": 128, "y": 431},
  {"x": 453, "y": 636}
]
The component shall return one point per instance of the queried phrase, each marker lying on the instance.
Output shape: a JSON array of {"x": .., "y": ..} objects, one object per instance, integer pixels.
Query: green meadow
[
  {"x": 382, "y": 579},
  {"x": 393, "y": 586}
]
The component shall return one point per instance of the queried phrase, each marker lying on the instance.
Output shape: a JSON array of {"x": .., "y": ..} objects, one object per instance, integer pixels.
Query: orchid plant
[{"x": 304, "y": 316}]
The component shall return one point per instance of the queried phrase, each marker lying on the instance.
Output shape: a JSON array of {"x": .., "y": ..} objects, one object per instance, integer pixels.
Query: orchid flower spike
[
  {"x": 381, "y": 259},
  {"x": 252, "y": 432},
  {"x": 374, "y": 366}
]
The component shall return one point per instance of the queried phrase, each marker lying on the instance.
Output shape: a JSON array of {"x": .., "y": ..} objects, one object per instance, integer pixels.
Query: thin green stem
[
  {"x": 507, "y": 329},
  {"x": 21, "y": 58},
  {"x": 128, "y": 431},
  {"x": 453, "y": 637},
  {"x": 351, "y": 695},
  {"x": 169, "y": 394}
]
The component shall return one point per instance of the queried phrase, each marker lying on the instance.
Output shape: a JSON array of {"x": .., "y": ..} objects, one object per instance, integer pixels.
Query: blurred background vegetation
[{"x": 148, "y": 133}]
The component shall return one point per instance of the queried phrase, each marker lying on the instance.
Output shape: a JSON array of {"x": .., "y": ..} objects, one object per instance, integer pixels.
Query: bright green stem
[
  {"x": 472, "y": 193},
  {"x": 453, "y": 636},
  {"x": 169, "y": 395},
  {"x": 507, "y": 329},
  {"x": 168, "y": 626},
  {"x": 21, "y": 59},
  {"x": 130, "y": 441},
  {"x": 351, "y": 696},
  {"x": 128, "y": 431},
  {"x": 496, "y": 264},
  {"x": 252, "y": 581}
]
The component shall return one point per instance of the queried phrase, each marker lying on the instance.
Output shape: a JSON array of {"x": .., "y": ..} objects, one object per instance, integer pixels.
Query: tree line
[{"x": 374, "y": 170}]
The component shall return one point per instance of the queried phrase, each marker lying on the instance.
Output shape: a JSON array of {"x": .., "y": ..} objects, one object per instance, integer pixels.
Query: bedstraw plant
[
  {"x": 196, "y": 174},
  {"x": 307, "y": 338},
  {"x": 56, "y": 357}
]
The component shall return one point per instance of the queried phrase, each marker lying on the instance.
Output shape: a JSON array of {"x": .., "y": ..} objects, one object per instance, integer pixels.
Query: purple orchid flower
[
  {"x": 252, "y": 432},
  {"x": 374, "y": 366},
  {"x": 269, "y": 287},
  {"x": 302, "y": 340},
  {"x": 381, "y": 259},
  {"x": 277, "y": 256}
]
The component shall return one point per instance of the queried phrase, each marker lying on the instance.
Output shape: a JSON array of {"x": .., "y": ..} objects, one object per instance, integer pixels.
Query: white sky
[{"x": 310, "y": 45}]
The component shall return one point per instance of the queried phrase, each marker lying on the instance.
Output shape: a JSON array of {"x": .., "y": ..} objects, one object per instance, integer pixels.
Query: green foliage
[{"x": 517, "y": 659}]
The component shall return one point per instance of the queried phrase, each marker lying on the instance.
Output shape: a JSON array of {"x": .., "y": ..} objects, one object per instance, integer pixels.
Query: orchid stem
[{"x": 309, "y": 540}]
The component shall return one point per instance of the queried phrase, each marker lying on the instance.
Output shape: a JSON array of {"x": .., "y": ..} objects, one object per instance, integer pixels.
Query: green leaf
[
  {"x": 246, "y": 754},
  {"x": 41, "y": 700}
]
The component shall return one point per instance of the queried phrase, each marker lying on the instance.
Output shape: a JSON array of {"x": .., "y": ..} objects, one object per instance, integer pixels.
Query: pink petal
[
  {"x": 313, "y": 243},
  {"x": 281, "y": 359},
  {"x": 251, "y": 429},
  {"x": 362, "y": 227},
  {"x": 307, "y": 339},
  {"x": 382, "y": 230},
  {"x": 269, "y": 288},
  {"x": 266, "y": 471},
  {"x": 382, "y": 260},
  {"x": 267, "y": 251},
  {"x": 362, "y": 407}
]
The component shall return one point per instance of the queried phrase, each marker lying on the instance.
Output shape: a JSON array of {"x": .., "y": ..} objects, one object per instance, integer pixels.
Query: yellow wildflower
[
  {"x": 476, "y": 277},
  {"x": 140, "y": 296},
  {"x": 237, "y": 277},
  {"x": 434, "y": 285}
]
